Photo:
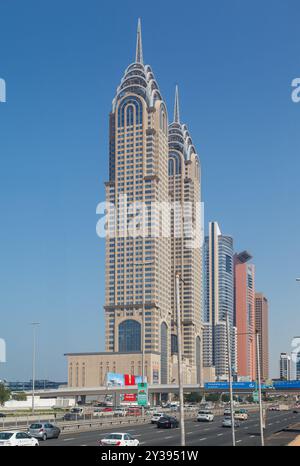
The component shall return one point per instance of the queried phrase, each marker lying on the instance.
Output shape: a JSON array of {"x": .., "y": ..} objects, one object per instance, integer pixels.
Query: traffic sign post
[{"x": 142, "y": 397}]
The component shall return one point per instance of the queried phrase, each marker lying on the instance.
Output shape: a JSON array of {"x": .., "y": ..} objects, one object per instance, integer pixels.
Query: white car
[
  {"x": 16, "y": 438},
  {"x": 119, "y": 440},
  {"x": 241, "y": 415},
  {"x": 156, "y": 417},
  {"x": 205, "y": 416}
]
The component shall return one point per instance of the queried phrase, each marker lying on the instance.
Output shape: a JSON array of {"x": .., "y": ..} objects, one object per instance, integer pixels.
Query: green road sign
[{"x": 142, "y": 398}]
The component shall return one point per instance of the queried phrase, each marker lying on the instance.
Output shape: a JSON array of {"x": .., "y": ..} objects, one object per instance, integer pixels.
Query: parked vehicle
[
  {"x": 167, "y": 422},
  {"x": 2, "y": 415},
  {"x": 16, "y": 438},
  {"x": 134, "y": 411},
  {"x": 121, "y": 412},
  {"x": 72, "y": 417},
  {"x": 44, "y": 430},
  {"x": 205, "y": 416},
  {"x": 227, "y": 422},
  {"x": 119, "y": 440},
  {"x": 156, "y": 416}
]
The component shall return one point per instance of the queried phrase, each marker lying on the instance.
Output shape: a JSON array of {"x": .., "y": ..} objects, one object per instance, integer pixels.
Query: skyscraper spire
[
  {"x": 139, "y": 47},
  {"x": 176, "y": 107}
]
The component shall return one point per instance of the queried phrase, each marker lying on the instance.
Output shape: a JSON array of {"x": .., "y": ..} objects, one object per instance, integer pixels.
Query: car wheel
[{"x": 44, "y": 437}]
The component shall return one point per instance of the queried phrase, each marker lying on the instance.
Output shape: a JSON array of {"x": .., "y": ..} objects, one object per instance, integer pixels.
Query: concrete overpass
[{"x": 83, "y": 392}]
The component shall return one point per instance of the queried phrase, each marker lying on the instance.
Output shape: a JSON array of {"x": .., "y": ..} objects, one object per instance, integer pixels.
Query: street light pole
[
  {"x": 34, "y": 326},
  {"x": 230, "y": 380},
  {"x": 259, "y": 391},
  {"x": 143, "y": 264},
  {"x": 180, "y": 372}
]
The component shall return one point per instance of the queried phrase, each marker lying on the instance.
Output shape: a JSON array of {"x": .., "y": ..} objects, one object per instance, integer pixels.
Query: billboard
[{"x": 122, "y": 380}]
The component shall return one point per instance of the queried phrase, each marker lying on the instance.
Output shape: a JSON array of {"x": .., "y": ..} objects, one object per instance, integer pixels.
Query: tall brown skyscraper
[
  {"x": 262, "y": 327},
  {"x": 244, "y": 286}
]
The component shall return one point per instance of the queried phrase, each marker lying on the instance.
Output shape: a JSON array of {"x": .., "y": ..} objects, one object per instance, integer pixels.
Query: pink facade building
[{"x": 245, "y": 315}]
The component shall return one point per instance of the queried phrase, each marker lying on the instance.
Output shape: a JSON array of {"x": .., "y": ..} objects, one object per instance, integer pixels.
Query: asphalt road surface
[{"x": 197, "y": 433}]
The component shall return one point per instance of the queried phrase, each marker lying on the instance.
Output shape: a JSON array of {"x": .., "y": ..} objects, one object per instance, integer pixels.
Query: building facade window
[{"x": 129, "y": 336}]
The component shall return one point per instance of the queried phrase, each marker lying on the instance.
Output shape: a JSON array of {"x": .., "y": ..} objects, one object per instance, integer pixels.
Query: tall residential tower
[
  {"x": 138, "y": 281},
  {"x": 186, "y": 251}
]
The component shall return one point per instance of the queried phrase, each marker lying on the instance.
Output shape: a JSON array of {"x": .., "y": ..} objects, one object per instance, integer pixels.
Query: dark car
[
  {"x": 72, "y": 417},
  {"x": 167, "y": 422},
  {"x": 2, "y": 415}
]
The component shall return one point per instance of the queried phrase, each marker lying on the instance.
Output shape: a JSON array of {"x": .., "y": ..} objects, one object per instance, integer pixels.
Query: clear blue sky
[{"x": 62, "y": 60}]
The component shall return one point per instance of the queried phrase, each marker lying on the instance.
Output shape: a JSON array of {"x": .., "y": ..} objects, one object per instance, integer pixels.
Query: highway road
[{"x": 197, "y": 433}]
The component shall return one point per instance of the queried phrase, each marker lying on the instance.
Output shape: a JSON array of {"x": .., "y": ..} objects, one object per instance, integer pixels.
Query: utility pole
[
  {"x": 230, "y": 379},
  {"x": 34, "y": 326},
  {"x": 180, "y": 372},
  {"x": 259, "y": 391}
]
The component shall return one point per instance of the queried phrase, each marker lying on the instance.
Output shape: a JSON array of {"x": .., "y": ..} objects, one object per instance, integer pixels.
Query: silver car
[{"x": 44, "y": 430}]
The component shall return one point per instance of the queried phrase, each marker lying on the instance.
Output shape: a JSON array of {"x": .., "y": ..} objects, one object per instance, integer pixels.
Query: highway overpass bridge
[{"x": 155, "y": 389}]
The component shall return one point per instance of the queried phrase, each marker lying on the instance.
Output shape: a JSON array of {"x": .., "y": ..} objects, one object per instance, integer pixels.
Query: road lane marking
[
  {"x": 201, "y": 439},
  {"x": 251, "y": 436},
  {"x": 219, "y": 435},
  {"x": 67, "y": 439},
  {"x": 238, "y": 441}
]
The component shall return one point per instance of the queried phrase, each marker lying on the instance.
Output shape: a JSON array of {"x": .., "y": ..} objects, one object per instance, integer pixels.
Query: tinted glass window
[
  {"x": 114, "y": 436},
  {"x": 129, "y": 336},
  {"x": 5, "y": 435}
]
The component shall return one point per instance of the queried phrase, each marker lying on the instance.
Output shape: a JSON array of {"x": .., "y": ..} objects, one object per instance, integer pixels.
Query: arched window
[
  {"x": 129, "y": 115},
  {"x": 163, "y": 119},
  {"x": 126, "y": 107},
  {"x": 174, "y": 164},
  {"x": 129, "y": 336},
  {"x": 164, "y": 353}
]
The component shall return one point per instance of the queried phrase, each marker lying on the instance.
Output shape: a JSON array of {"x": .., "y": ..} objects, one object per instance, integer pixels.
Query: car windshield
[
  {"x": 36, "y": 426},
  {"x": 114, "y": 437},
  {"x": 5, "y": 435}
]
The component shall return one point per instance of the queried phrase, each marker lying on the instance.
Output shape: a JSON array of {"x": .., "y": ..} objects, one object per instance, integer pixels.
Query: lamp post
[
  {"x": 259, "y": 391},
  {"x": 179, "y": 355},
  {"x": 143, "y": 264},
  {"x": 34, "y": 327},
  {"x": 230, "y": 380}
]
